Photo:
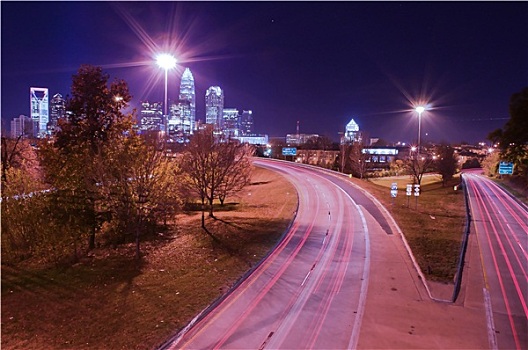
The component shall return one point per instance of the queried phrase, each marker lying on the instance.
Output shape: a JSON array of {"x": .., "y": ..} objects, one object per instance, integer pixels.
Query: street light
[
  {"x": 166, "y": 61},
  {"x": 420, "y": 110}
]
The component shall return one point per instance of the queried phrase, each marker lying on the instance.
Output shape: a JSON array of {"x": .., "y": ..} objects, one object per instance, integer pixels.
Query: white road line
[
  {"x": 489, "y": 320},
  {"x": 305, "y": 278}
]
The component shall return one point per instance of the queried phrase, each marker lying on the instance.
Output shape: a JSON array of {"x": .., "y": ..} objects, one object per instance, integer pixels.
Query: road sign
[
  {"x": 505, "y": 168},
  {"x": 408, "y": 190},
  {"x": 394, "y": 190},
  {"x": 289, "y": 151},
  {"x": 416, "y": 190}
]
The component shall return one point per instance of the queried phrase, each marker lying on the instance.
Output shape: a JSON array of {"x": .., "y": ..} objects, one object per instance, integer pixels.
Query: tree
[
  {"x": 359, "y": 160},
  {"x": 513, "y": 138},
  {"x": 418, "y": 166},
  {"x": 446, "y": 163},
  {"x": 209, "y": 168},
  {"x": 73, "y": 157},
  {"x": 141, "y": 184},
  {"x": 490, "y": 164},
  {"x": 20, "y": 169},
  {"x": 238, "y": 172}
]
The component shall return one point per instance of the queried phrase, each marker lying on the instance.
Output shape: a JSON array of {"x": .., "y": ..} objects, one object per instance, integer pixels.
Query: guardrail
[{"x": 463, "y": 248}]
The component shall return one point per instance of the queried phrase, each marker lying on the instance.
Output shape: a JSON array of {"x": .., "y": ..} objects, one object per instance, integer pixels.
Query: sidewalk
[{"x": 399, "y": 313}]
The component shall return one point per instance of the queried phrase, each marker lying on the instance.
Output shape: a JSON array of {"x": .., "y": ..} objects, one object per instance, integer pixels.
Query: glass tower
[
  {"x": 214, "y": 106},
  {"x": 57, "y": 111},
  {"x": 246, "y": 123},
  {"x": 231, "y": 123},
  {"x": 187, "y": 101},
  {"x": 38, "y": 99}
]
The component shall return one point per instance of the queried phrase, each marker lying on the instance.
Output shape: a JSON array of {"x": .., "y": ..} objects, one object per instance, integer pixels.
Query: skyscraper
[
  {"x": 231, "y": 123},
  {"x": 352, "y": 133},
  {"x": 246, "y": 123},
  {"x": 151, "y": 117},
  {"x": 187, "y": 101},
  {"x": 214, "y": 106},
  {"x": 38, "y": 106},
  {"x": 22, "y": 126},
  {"x": 57, "y": 111}
]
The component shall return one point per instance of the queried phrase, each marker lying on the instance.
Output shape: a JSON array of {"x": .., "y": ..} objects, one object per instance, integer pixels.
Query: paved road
[
  {"x": 310, "y": 292},
  {"x": 501, "y": 226}
]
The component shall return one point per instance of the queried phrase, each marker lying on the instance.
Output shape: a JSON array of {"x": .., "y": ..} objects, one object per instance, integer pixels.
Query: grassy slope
[
  {"x": 111, "y": 303},
  {"x": 433, "y": 228}
]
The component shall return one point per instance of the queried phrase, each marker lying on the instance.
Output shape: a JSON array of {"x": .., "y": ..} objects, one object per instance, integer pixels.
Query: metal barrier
[{"x": 463, "y": 248}]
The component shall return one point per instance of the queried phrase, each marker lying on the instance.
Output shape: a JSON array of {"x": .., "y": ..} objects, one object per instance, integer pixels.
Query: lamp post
[
  {"x": 166, "y": 61},
  {"x": 419, "y": 110}
]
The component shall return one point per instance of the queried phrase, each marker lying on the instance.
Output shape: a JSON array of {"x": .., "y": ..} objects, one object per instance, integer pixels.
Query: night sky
[{"x": 321, "y": 63}]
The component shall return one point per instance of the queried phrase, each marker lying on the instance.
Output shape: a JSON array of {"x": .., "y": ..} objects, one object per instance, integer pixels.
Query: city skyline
[{"x": 320, "y": 63}]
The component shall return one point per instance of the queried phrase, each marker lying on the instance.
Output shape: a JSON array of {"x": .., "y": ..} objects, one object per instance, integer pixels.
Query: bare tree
[
  {"x": 418, "y": 166},
  {"x": 209, "y": 168},
  {"x": 238, "y": 173},
  {"x": 196, "y": 163},
  {"x": 359, "y": 160}
]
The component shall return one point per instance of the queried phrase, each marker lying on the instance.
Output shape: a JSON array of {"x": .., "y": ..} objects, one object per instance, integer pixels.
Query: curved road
[
  {"x": 310, "y": 292},
  {"x": 501, "y": 226}
]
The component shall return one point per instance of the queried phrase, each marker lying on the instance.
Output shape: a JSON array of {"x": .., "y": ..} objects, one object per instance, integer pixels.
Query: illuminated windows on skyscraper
[
  {"x": 151, "y": 115},
  {"x": 246, "y": 123},
  {"x": 214, "y": 106},
  {"x": 57, "y": 111},
  {"x": 187, "y": 102},
  {"x": 38, "y": 98},
  {"x": 352, "y": 133}
]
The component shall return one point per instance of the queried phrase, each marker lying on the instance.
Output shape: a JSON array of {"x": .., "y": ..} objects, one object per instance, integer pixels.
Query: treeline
[{"x": 95, "y": 181}]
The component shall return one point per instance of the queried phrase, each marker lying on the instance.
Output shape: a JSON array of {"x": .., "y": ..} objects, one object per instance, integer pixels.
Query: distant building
[
  {"x": 246, "y": 123},
  {"x": 39, "y": 109},
  {"x": 57, "y": 111},
  {"x": 352, "y": 133},
  {"x": 187, "y": 102},
  {"x": 151, "y": 117},
  {"x": 254, "y": 139},
  {"x": 231, "y": 123},
  {"x": 299, "y": 139},
  {"x": 179, "y": 123},
  {"x": 24, "y": 126},
  {"x": 214, "y": 107},
  {"x": 382, "y": 155}
]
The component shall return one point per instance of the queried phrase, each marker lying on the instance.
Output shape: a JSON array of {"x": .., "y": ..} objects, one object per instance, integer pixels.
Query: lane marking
[
  {"x": 305, "y": 278},
  {"x": 492, "y": 338}
]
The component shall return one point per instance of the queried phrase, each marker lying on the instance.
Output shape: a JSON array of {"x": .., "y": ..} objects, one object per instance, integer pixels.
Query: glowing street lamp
[
  {"x": 166, "y": 61},
  {"x": 419, "y": 110}
]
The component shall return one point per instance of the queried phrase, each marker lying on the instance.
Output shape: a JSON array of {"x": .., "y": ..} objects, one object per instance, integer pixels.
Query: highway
[
  {"x": 310, "y": 292},
  {"x": 501, "y": 227}
]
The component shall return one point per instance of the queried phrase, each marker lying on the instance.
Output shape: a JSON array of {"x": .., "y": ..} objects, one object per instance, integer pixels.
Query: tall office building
[
  {"x": 38, "y": 99},
  {"x": 231, "y": 123},
  {"x": 23, "y": 126},
  {"x": 57, "y": 111},
  {"x": 214, "y": 106},
  {"x": 151, "y": 117},
  {"x": 246, "y": 123},
  {"x": 352, "y": 133},
  {"x": 187, "y": 101}
]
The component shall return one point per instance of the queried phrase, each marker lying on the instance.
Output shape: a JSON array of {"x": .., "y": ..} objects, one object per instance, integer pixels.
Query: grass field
[
  {"x": 433, "y": 225},
  {"x": 109, "y": 302}
]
